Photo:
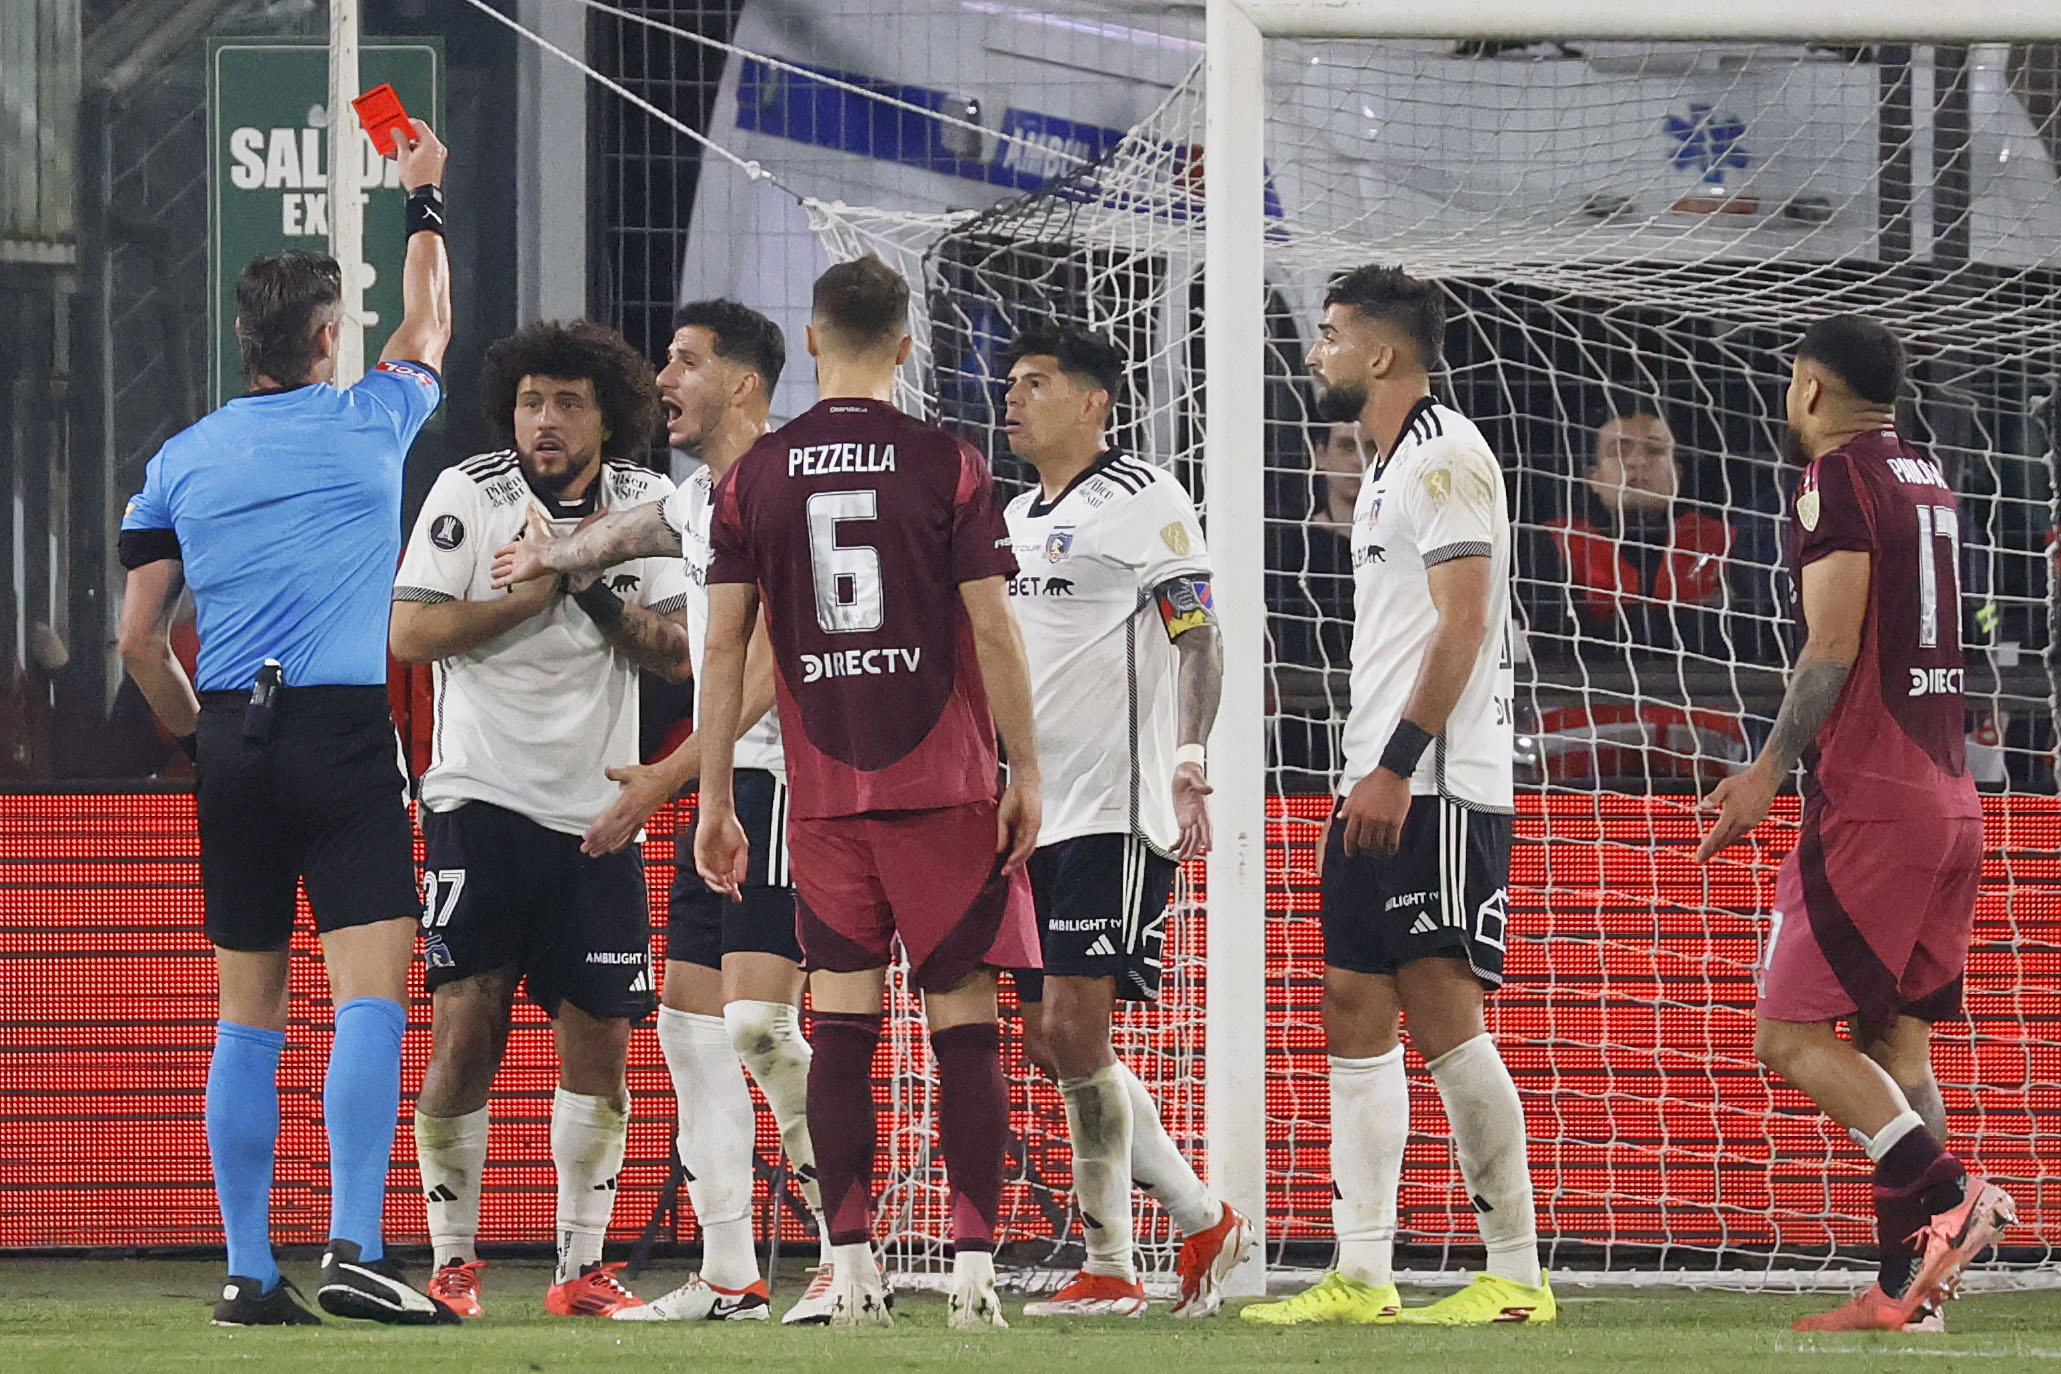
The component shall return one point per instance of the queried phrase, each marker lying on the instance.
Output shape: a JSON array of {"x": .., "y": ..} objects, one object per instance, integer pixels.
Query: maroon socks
[{"x": 973, "y": 1127}]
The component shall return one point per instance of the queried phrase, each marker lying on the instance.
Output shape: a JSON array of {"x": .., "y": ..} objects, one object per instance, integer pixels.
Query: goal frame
[{"x": 1234, "y": 334}]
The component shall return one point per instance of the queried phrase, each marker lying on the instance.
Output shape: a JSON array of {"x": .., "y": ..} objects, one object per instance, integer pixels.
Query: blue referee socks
[
  {"x": 243, "y": 1128},
  {"x": 361, "y": 1100}
]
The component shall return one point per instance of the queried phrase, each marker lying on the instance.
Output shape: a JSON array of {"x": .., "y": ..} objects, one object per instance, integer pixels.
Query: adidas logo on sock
[
  {"x": 1423, "y": 925},
  {"x": 441, "y": 1193}
]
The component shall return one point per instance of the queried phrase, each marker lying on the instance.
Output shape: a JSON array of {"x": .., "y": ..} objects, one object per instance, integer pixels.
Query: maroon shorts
[
  {"x": 1872, "y": 918},
  {"x": 931, "y": 878}
]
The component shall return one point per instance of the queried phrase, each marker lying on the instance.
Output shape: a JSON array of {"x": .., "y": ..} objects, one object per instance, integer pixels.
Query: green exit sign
[{"x": 268, "y": 172}]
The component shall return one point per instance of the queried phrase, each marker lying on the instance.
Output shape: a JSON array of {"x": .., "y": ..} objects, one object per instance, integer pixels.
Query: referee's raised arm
[
  {"x": 425, "y": 328},
  {"x": 281, "y": 511}
]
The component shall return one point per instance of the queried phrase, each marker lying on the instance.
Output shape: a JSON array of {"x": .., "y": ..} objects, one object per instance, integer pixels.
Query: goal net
[{"x": 1630, "y": 236}]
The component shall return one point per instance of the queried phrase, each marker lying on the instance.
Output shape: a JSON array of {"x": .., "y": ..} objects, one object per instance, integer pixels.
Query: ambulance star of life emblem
[{"x": 1058, "y": 544}]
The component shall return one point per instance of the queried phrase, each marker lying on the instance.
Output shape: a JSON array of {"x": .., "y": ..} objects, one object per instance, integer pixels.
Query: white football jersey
[
  {"x": 1103, "y": 672},
  {"x": 1438, "y": 496},
  {"x": 688, "y": 510},
  {"x": 531, "y": 719}
]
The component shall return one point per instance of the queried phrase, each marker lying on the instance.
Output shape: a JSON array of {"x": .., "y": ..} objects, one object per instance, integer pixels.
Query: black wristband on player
[
  {"x": 189, "y": 745},
  {"x": 602, "y": 606},
  {"x": 1405, "y": 747},
  {"x": 425, "y": 213}
]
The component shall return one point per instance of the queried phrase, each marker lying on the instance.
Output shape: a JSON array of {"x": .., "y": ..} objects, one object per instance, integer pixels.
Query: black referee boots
[
  {"x": 374, "y": 1291},
  {"x": 244, "y": 1303}
]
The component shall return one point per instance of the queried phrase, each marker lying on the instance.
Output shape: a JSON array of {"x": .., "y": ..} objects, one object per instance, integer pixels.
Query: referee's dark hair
[
  {"x": 1416, "y": 309},
  {"x": 1081, "y": 355},
  {"x": 864, "y": 302},
  {"x": 281, "y": 300},
  {"x": 625, "y": 385},
  {"x": 1864, "y": 355},
  {"x": 742, "y": 335}
]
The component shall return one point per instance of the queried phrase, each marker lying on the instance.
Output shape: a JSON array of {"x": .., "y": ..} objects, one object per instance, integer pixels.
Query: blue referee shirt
[{"x": 286, "y": 509}]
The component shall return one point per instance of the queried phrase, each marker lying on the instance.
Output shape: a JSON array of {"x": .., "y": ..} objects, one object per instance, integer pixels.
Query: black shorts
[
  {"x": 1101, "y": 902},
  {"x": 702, "y": 926},
  {"x": 1444, "y": 893},
  {"x": 322, "y": 801},
  {"x": 501, "y": 892}
]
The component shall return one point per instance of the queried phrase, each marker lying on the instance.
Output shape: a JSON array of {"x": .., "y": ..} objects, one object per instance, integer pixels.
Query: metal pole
[
  {"x": 346, "y": 203},
  {"x": 1234, "y": 449}
]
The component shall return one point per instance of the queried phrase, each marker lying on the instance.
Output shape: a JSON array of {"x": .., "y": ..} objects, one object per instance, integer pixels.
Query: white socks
[
  {"x": 1370, "y": 1126},
  {"x": 587, "y": 1138},
  {"x": 768, "y": 1037},
  {"x": 1098, "y": 1120},
  {"x": 1896, "y": 1129},
  {"x": 1158, "y": 1166},
  {"x": 716, "y": 1127},
  {"x": 1488, "y": 1133},
  {"x": 451, "y": 1153}
]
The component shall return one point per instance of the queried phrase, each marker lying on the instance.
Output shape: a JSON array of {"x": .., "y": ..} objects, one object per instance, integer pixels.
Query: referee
[{"x": 282, "y": 511}]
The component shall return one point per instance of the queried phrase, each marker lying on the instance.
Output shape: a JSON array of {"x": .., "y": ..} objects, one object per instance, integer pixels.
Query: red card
[{"x": 379, "y": 110}]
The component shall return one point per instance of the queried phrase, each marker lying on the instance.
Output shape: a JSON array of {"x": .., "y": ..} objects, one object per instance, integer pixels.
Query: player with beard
[
  {"x": 536, "y": 694},
  {"x": 1875, "y": 907},
  {"x": 1416, "y": 862},
  {"x": 733, "y": 978}
]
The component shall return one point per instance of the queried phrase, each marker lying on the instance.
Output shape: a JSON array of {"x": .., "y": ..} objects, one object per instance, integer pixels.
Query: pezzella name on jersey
[
  {"x": 860, "y": 663},
  {"x": 818, "y": 460}
]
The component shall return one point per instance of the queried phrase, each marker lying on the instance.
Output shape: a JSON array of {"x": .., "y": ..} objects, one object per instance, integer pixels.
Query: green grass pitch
[{"x": 150, "y": 1317}]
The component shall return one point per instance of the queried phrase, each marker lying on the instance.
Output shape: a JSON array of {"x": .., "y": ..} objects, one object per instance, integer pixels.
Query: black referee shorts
[{"x": 323, "y": 801}]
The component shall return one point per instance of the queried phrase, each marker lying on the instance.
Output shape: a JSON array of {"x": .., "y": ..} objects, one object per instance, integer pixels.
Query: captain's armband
[{"x": 1184, "y": 604}]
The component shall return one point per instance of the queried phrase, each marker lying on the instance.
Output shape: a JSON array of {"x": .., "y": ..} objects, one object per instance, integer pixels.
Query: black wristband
[
  {"x": 425, "y": 213},
  {"x": 602, "y": 606},
  {"x": 1405, "y": 747},
  {"x": 189, "y": 745}
]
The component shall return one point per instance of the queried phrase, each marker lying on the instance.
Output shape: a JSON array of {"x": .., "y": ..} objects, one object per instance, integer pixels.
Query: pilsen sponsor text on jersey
[{"x": 822, "y": 460}]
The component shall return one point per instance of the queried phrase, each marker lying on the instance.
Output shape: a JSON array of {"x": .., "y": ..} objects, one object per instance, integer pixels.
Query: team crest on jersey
[
  {"x": 1807, "y": 508},
  {"x": 1175, "y": 537},
  {"x": 447, "y": 532},
  {"x": 1058, "y": 544}
]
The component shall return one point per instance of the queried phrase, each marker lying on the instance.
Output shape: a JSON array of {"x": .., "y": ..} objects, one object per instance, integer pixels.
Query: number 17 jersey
[
  {"x": 1896, "y": 744},
  {"x": 858, "y": 524}
]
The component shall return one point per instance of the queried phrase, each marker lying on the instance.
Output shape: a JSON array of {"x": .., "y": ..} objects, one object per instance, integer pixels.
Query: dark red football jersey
[
  {"x": 1896, "y": 743},
  {"x": 858, "y": 523}
]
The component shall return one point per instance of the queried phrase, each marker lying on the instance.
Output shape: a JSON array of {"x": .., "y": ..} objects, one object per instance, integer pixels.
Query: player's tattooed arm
[
  {"x": 654, "y": 642},
  {"x": 1199, "y": 686},
  {"x": 1835, "y": 607},
  {"x": 1813, "y": 692},
  {"x": 614, "y": 537}
]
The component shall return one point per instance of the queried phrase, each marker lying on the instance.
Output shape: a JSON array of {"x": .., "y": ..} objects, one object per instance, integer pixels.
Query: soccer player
[
  {"x": 733, "y": 975},
  {"x": 536, "y": 694},
  {"x": 876, "y": 546},
  {"x": 1417, "y": 858},
  {"x": 1110, "y": 541},
  {"x": 282, "y": 511},
  {"x": 1875, "y": 907}
]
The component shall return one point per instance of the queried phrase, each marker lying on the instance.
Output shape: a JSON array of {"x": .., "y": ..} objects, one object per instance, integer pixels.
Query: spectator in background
[
  {"x": 1310, "y": 599},
  {"x": 1640, "y": 563}
]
